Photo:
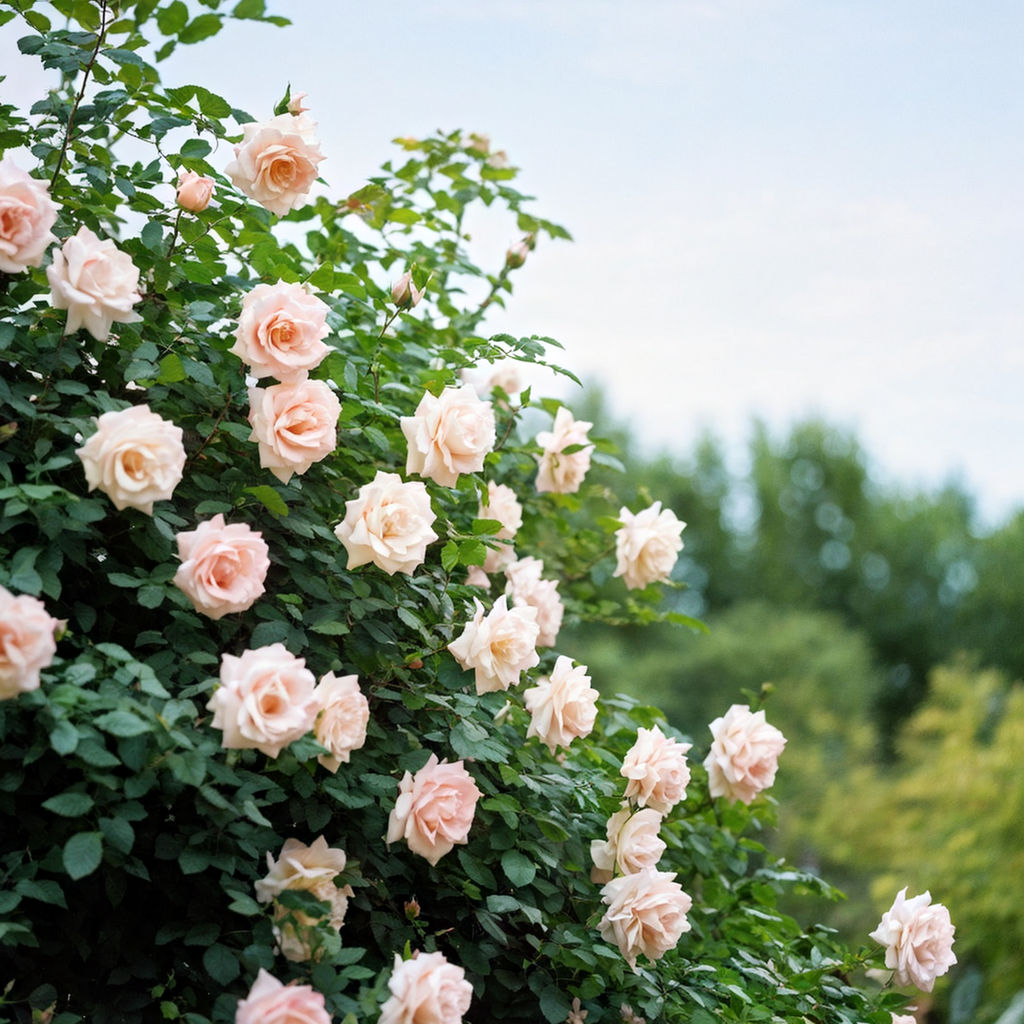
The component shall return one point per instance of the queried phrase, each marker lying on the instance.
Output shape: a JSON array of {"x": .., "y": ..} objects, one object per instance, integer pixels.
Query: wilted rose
[
  {"x": 194, "y": 191},
  {"x": 633, "y": 844},
  {"x": 271, "y": 1002},
  {"x": 562, "y": 706},
  {"x": 657, "y": 770},
  {"x": 426, "y": 990},
  {"x": 27, "y": 214},
  {"x": 647, "y": 545},
  {"x": 560, "y": 471},
  {"x": 526, "y": 588},
  {"x": 27, "y": 642},
  {"x": 744, "y": 754},
  {"x": 498, "y": 646},
  {"x": 918, "y": 936},
  {"x": 342, "y": 719}
]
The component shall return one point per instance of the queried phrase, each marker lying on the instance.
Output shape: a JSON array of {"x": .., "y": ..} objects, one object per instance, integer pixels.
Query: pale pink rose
[
  {"x": 744, "y": 754},
  {"x": 296, "y": 105},
  {"x": 479, "y": 143},
  {"x": 633, "y": 844},
  {"x": 503, "y": 506},
  {"x": 276, "y": 162},
  {"x": 516, "y": 254},
  {"x": 647, "y": 545},
  {"x": 560, "y": 472},
  {"x": 918, "y": 936},
  {"x": 562, "y": 706},
  {"x": 404, "y": 292},
  {"x": 498, "y": 160},
  {"x": 426, "y": 990},
  {"x": 341, "y": 723},
  {"x": 194, "y": 191},
  {"x": 656, "y": 769},
  {"x": 280, "y": 332},
  {"x": 476, "y": 577},
  {"x": 295, "y": 425},
  {"x": 449, "y": 435},
  {"x": 27, "y": 213},
  {"x": 434, "y": 809},
  {"x": 135, "y": 457},
  {"x": 646, "y": 914},
  {"x": 498, "y": 646},
  {"x": 526, "y": 589},
  {"x": 222, "y": 566},
  {"x": 498, "y": 558},
  {"x": 271, "y": 1002},
  {"x": 27, "y": 643},
  {"x": 903, "y": 1018},
  {"x": 265, "y": 700},
  {"x": 388, "y": 524},
  {"x": 95, "y": 282},
  {"x": 507, "y": 378}
]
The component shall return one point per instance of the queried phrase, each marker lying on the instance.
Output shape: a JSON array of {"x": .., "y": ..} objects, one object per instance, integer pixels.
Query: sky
[{"x": 781, "y": 208}]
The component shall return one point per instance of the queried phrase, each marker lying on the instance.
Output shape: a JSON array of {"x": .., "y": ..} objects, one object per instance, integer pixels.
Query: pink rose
[
  {"x": 449, "y": 435},
  {"x": 559, "y": 471},
  {"x": 503, "y": 506},
  {"x": 276, "y": 162},
  {"x": 341, "y": 723},
  {"x": 903, "y": 1018},
  {"x": 388, "y": 524},
  {"x": 280, "y": 330},
  {"x": 744, "y": 754},
  {"x": 646, "y": 914},
  {"x": 404, "y": 293},
  {"x": 657, "y": 770},
  {"x": 135, "y": 457},
  {"x": 918, "y": 936},
  {"x": 526, "y": 589},
  {"x": 562, "y": 706},
  {"x": 633, "y": 844},
  {"x": 194, "y": 191},
  {"x": 434, "y": 809},
  {"x": 271, "y": 1002},
  {"x": 296, "y": 105},
  {"x": 647, "y": 545},
  {"x": 426, "y": 990},
  {"x": 515, "y": 255},
  {"x": 265, "y": 700},
  {"x": 295, "y": 425},
  {"x": 27, "y": 643},
  {"x": 27, "y": 213},
  {"x": 95, "y": 282},
  {"x": 498, "y": 646}
]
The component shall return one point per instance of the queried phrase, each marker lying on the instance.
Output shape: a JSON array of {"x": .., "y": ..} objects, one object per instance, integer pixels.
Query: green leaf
[
  {"x": 82, "y": 854},
  {"x": 200, "y": 28},
  {"x": 269, "y": 498},
  {"x": 64, "y": 738},
  {"x": 70, "y": 804},
  {"x": 122, "y": 724},
  {"x": 449, "y": 556},
  {"x": 518, "y": 868},
  {"x": 221, "y": 964},
  {"x": 171, "y": 369}
]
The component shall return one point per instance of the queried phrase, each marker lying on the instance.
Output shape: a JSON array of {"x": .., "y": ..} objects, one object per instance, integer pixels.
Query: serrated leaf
[
  {"x": 518, "y": 868},
  {"x": 269, "y": 498},
  {"x": 71, "y": 804},
  {"x": 82, "y": 854},
  {"x": 122, "y": 724}
]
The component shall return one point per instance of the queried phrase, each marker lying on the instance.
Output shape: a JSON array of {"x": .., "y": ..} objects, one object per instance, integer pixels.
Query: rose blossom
[
  {"x": 918, "y": 936},
  {"x": 657, "y": 770},
  {"x": 27, "y": 643},
  {"x": 449, "y": 434},
  {"x": 503, "y": 506},
  {"x": 388, "y": 524},
  {"x": 135, "y": 457},
  {"x": 295, "y": 425},
  {"x": 498, "y": 646},
  {"x": 95, "y": 282},
  {"x": 527, "y": 589},
  {"x": 646, "y": 914},
  {"x": 557, "y": 471},
  {"x": 341, "y": 723},
  {"x": 426, "y": 990},
  {"x": 903, "y": 1018},
  {"x": 296, "y": 105},
  {"x": 280, "y": 331},
  {"x": 562, "y": 706},
  {"x": 633, "y": 844},
  {"x": 404, "y": 292},
  {"x": 271, "y": 1002},
  {"x": 434, "y": 809},
  {"x": 194, "y": 191},
  {"x": 744, "y": 755},
  {"x": 222, "y": 566},
  {"x": 265, "y": 700},
  {"x": 647, "y": 545},
  {"x": 27, "y": 213}
]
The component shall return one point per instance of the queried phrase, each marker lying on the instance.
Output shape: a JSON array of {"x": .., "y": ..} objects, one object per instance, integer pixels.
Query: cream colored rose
[
  {"x": 294, "y": 424},
  {"x": 744, "y": 754},
  {"x": 633, "y": 844},
  {"x": 503, "y": 506},
  {"x": 646, "y": 914},
  {"x": 404, "y": 293},
  {"x": 271, "y": 1002},
  {"x": 95, "y": 282},
  {"x": 388, "y": 524},
  {"x": 194, "y": 191},
  {"x": 526, "y": 589},
  {"x": 435, "y": 808},
  {"x": 560, "y": 471},
  {"x": 341, "y": 723},
  {"x": 918, "y": 936},
  {"x": 498, "y": 646},
  {"x": 903, "y": 1018},
  {"x": 562, "y": 706},
  {"x": 647, "y": 545},
  {"x": 426, "y": 990},
  {"x": 27, "y": 214},
  {"x": 450, "y": 434},
  {"x": 656, "y": 769},
  {"x": 27, "y": 643},
  {"x": 135, "y": 457}
]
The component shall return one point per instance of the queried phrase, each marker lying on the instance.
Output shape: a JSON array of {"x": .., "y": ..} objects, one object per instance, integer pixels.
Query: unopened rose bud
[
  {"x": 498, "y": 160},
  {"x": 416, "y": 663},
  {"x": 412, "y": 909},
  {"x": 516, "y": 255},
  {"x": 405, "y": 294},
  {"x": 479, "y": 143},
  {"x": 194, "y": 191},
  {"x": 295, "y": 104}
]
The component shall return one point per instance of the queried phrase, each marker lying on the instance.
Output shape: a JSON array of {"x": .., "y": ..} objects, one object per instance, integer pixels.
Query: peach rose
[
  {"x": 434, "y": 809},
  {"x": 280, "y": 332},
  {"x": 633, "y": 844},
  {"x": 502, "y": 505},
  {"x": 27, "y": 213},
  {"x": 388, "y": 524},
  {"x": 265, "y": 700},
  {"x": 657, "y": 770},
  {"x": 449, "y": 435},
  {"x": 498, "y": 646},
  {"x": 27, "y": 643},
  {"x": 194, "y": 191},
  {"x": 271, "y": 1002},
  {"x": 647, "y": 545},
  {"x": 526, "y": 589},
  {"x": 918, "y": 936},
  {"x": 559, "y": 471},
  {"x": 341, "y": 723},
  {"x": 562, "y": 706},
  {"x": 646, "y": 914},
  {"x": 426, "y": 990},
  {"x": 744, "y": 754},
  {"x": 295, "y": 425},
  {"x": 135, "y": 457}
]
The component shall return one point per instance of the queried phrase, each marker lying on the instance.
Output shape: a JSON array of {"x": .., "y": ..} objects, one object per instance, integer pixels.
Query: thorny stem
[
  {"x": 374, "y": 363},
  {"x": 209, "y": 437}
]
